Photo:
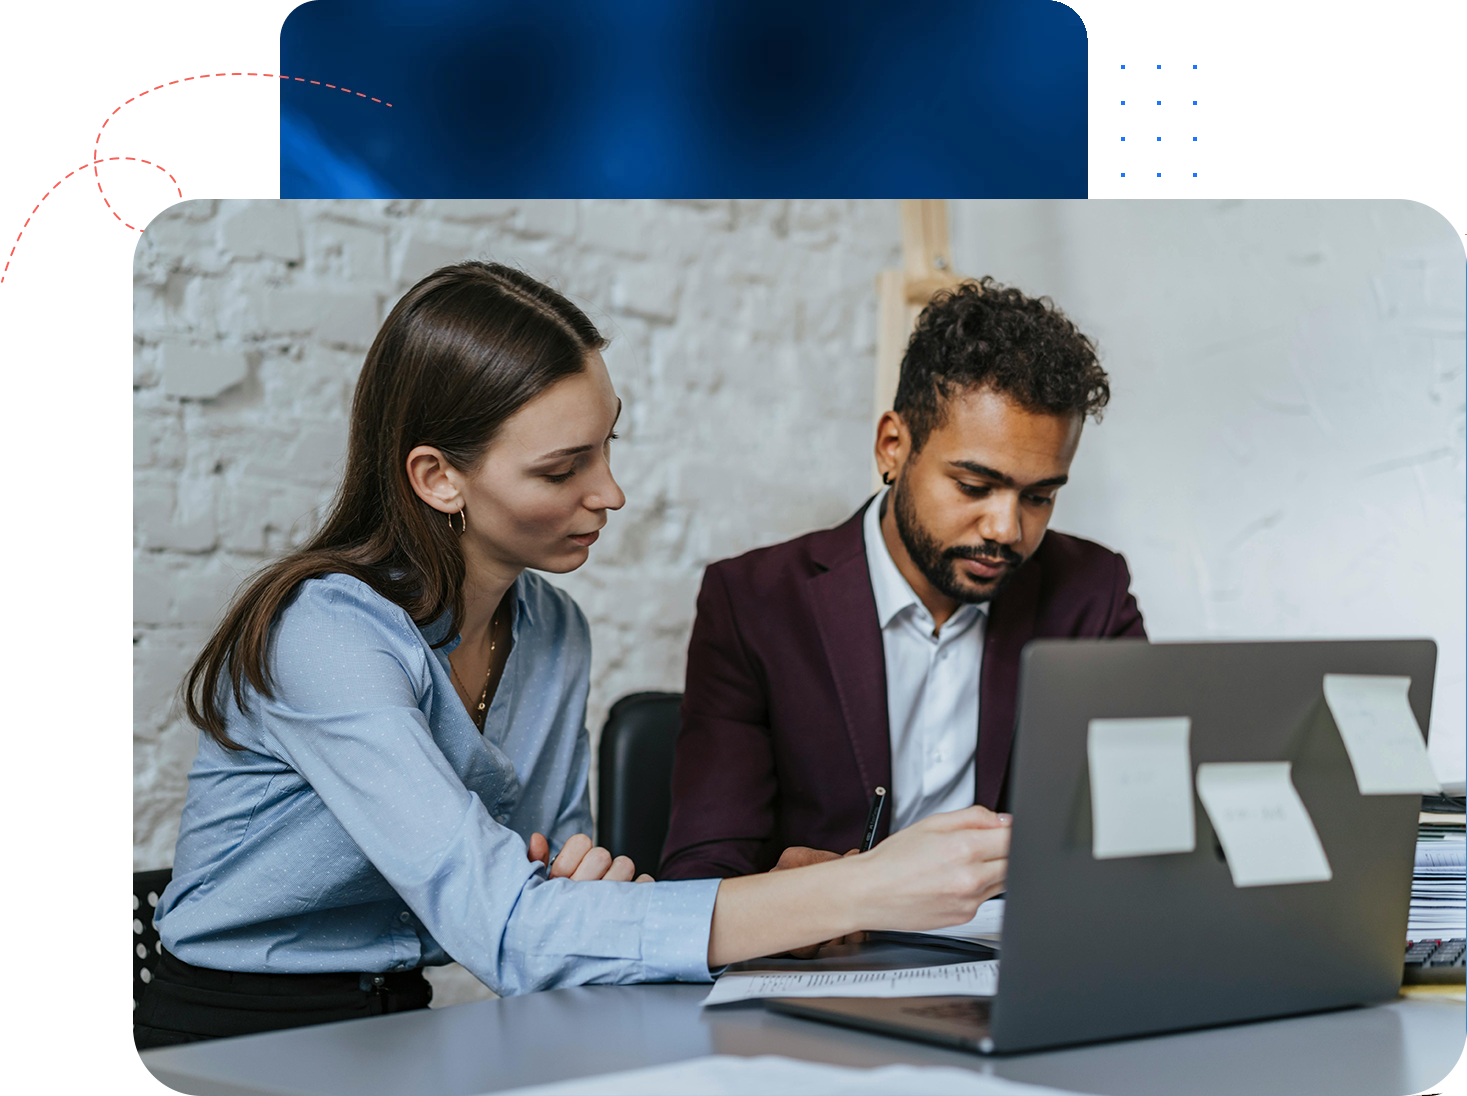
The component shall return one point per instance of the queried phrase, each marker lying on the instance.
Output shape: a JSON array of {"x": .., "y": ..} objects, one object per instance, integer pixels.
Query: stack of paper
[{"x": 1439, "y": 885}]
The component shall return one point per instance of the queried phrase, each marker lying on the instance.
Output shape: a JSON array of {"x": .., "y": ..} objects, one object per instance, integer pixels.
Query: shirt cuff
[{"x": 676, "y": 928}]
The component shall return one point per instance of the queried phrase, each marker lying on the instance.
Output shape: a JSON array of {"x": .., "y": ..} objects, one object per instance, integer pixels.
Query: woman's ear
[{"x": 434, "y": 480}]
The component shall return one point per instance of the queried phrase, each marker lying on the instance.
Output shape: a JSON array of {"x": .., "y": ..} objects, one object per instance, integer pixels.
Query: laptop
[{"x": 1106, "y": 949}]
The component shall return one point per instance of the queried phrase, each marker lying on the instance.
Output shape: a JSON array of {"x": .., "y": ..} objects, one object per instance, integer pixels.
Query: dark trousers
[{"x": 184, "y": 1003}]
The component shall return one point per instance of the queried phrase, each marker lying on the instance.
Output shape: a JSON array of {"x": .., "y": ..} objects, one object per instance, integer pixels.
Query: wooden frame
[{"x": 902, "y": 294}]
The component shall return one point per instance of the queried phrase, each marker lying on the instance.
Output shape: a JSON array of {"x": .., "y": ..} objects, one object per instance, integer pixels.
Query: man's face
[{"x": 974, "y": 503}]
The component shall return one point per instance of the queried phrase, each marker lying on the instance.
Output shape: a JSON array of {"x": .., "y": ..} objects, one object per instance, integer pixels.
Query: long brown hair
[{"x": 461, "y": 352}]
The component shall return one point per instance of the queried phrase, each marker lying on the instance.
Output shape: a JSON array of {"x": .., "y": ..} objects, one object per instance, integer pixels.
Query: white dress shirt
[{"x": 931, "y": 688}]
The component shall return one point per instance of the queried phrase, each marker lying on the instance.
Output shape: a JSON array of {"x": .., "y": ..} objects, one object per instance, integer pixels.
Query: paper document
[
  {"x": 729, "y": 1075},
  {"x": 1381, "y": 734},
  {"x": 1141, "y": 787},
  {"x": 1437, "y": 854},
  {"x": 985, "y": 928},
  {"x": 977, "y": 979},
  {"x": 1265, "y": 831}
]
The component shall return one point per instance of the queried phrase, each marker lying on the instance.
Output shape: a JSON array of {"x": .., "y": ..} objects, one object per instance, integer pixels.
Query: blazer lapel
[
  {"x": 1011, "y": 621},
  {"x": 845, "y": 612}
]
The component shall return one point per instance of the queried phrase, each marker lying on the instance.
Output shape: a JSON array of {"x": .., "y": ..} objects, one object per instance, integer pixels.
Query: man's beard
[{"x": 938, "y": 564}]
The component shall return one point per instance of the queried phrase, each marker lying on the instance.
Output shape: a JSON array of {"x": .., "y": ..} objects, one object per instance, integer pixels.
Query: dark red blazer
[{"x": 784, "y": 726}]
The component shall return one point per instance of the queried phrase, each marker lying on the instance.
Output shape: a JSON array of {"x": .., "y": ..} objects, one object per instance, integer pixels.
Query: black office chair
[
  {"x": 147, "y": 888},
  {"x": 634, "y": 782}
]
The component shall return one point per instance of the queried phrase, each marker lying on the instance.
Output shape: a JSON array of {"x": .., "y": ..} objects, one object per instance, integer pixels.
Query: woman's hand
[
  {"x": 927, "y": 876},
  {"x": 937, "y": 872},
  {"x": 581, "y": 861}
]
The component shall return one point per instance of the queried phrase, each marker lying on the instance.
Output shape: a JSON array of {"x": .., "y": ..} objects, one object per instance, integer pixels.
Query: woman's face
[{"x": 539, "y": 496}]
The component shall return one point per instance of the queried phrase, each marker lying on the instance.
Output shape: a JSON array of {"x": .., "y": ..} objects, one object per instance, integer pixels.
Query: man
[{"x": 885, "y": 652}]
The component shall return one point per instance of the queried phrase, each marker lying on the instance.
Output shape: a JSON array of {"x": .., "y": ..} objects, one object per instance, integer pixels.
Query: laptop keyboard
[{"x": 1434, "y": 961}]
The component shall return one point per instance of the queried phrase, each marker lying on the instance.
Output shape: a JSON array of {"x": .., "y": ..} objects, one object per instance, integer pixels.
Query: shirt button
[
  {"x": 404, "y": 917},
  {"x": 501, "y": 818}
]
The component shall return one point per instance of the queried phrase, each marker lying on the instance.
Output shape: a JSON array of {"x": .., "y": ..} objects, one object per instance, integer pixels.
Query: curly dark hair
[{"x": 986, "y": 334}]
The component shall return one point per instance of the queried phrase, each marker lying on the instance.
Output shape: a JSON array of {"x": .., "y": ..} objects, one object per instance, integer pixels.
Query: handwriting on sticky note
[
  {"x": 1141, "y": 787},
  {"x": 1380, "y": 733},
  {"x": 1262, "y": 823}
]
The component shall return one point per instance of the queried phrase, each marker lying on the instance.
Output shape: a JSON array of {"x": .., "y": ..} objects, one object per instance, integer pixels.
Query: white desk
[{"x": 1400, "y": 1047}]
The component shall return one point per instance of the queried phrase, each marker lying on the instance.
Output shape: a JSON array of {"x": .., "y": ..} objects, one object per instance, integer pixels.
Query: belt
[{"x": 202, "y": 1002}]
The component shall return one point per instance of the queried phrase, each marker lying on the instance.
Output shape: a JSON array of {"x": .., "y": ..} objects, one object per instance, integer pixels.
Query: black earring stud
[{"x": 886, "y": 478}]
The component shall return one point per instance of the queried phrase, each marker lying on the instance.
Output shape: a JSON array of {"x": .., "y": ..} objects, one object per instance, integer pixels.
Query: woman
[{"x": 393, "y": 720}]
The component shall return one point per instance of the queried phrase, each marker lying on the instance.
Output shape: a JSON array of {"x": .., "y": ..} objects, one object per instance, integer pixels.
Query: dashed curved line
[
  {"x": 333, "y": 87},
  {"x": 98, "y": 159}
]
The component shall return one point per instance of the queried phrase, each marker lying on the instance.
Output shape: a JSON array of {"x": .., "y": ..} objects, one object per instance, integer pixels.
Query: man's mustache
[{"x": 991, "y": 552}]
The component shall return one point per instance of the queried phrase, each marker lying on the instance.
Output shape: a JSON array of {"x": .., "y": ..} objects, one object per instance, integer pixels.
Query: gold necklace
[{"x": 480, "y": 715}]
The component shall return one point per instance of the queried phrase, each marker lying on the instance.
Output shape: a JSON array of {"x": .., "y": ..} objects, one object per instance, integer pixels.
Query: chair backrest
[
  {"x": 634, "y": 782},
  {"x": 147, "y": 888}
]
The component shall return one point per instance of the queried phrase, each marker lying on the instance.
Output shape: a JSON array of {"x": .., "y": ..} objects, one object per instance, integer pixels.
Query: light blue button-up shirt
[{"x": 367, "y": 825}]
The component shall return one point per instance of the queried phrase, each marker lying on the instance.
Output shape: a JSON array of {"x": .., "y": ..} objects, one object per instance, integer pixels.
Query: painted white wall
[{"x": 1283, "y": 454}]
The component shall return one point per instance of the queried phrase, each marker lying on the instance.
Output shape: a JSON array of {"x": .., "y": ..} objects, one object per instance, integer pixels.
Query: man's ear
[
  {"x": 892, "y": 444},
  {"x": 434, "y": 480}
]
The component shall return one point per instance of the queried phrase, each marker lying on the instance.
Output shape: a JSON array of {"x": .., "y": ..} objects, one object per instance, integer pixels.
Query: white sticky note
[
  {"x": 1381, "y": 736},
  {"x": 1265, "y": 831},
  {"x": 1141, "y": 787}
]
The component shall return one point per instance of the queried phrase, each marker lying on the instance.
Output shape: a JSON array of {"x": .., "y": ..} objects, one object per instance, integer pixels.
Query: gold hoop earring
[{"x": 463, "y": 522}]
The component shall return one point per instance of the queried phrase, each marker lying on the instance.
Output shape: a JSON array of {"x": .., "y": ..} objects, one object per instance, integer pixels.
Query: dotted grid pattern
[
  {"x": 97, "y": 159},
  {"x": 1144, "y": 88}
]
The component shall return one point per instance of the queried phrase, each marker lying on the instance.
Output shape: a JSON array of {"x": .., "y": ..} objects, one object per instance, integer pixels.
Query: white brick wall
[{"x": 743, "y": 344}]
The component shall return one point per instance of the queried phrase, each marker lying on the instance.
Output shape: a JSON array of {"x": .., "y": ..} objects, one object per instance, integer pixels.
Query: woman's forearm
[
  {"x": 779, "y": 911},
  {"x": 926, "y": 876}
]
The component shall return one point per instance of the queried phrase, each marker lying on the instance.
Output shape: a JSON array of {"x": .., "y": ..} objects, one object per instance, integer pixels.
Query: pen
[{"x": 873, "y": 818}]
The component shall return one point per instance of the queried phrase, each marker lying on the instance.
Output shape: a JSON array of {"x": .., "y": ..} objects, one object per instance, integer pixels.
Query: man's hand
[
  {"x": 582, "y": 861},
  {"x": 800, "y": 856}
]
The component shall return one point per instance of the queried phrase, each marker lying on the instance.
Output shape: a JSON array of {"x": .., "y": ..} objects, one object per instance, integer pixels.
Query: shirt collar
[
  {"x": 521, "y": 603},
  {"x": 892, "y": 590},
  {"x": 522, "y": 616}
]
